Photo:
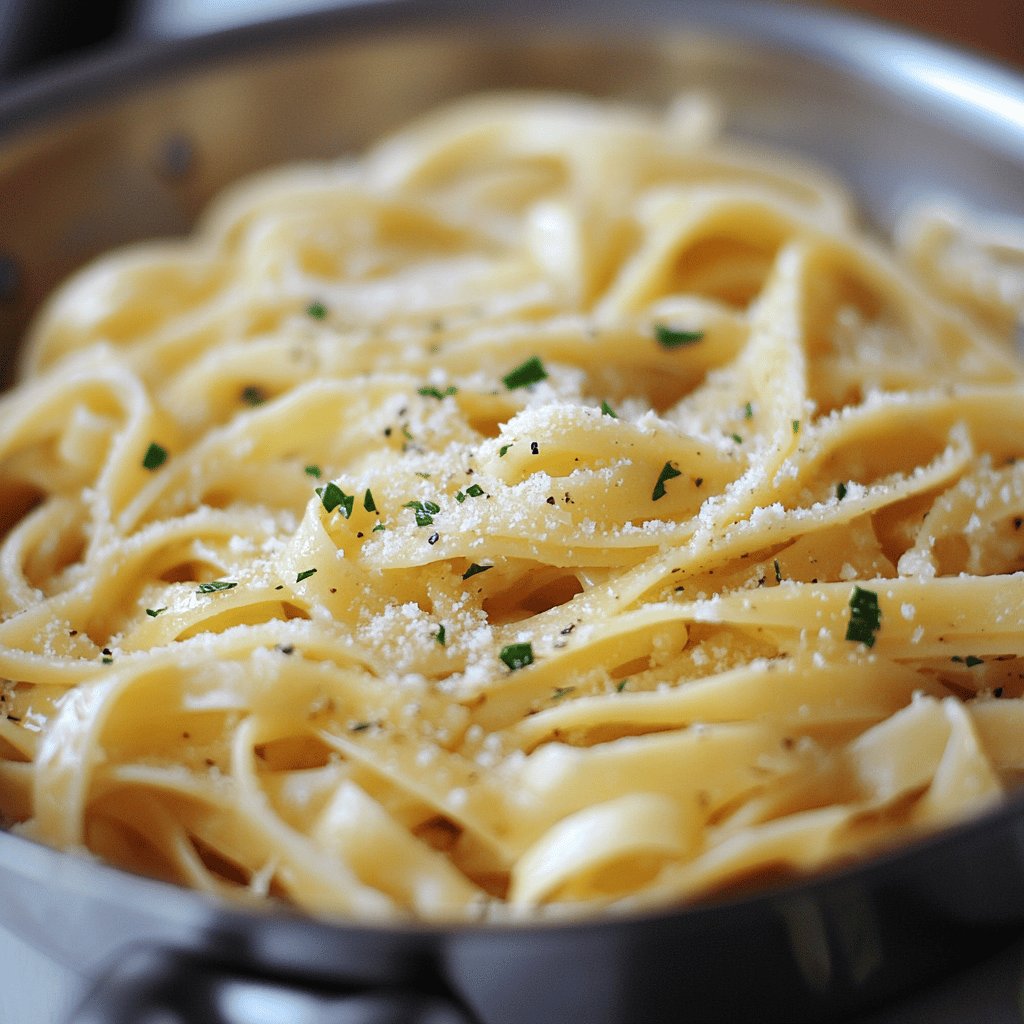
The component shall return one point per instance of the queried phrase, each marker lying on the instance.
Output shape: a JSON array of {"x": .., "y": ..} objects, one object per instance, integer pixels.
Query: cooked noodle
[{"x": 556, "y": 508}]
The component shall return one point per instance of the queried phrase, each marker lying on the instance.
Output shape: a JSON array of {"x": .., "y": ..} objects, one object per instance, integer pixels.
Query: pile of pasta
[{"x": 556, "y": 508}]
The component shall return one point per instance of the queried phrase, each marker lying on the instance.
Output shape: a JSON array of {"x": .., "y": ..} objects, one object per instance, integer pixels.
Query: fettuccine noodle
[{"x": 555, "y": 509}]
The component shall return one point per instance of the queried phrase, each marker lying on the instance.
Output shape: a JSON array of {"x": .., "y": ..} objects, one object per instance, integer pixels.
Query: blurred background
[
  {"x": 34, "y": 32},
  {"x": 994, "y": 28}
]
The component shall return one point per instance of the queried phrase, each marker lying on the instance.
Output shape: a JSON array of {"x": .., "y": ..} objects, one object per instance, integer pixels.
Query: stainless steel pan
[{"x": 134, "y": 143}]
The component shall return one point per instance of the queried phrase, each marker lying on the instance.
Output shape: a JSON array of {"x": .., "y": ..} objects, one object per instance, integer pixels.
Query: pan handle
[{"x": 160, "y": 986}]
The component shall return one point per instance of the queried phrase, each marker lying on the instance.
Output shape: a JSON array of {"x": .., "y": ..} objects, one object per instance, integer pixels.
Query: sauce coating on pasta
[{"x": 556, "y": 508}]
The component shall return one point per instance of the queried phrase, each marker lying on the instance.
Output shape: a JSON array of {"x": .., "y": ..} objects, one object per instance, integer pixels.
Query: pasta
[{"x": 556, "y": 509}]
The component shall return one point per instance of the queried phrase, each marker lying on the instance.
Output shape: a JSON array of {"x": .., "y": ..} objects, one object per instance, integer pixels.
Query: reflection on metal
[
  {"x": 836, "y": 939},
  {"x": 169, "y": 19},
  {"x": 980, "y": 94},
  {"x": 809, "y": 940}
]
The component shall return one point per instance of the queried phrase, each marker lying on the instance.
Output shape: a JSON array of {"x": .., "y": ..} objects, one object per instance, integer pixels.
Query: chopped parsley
[
  {"x": 424, "y": 511},
  {"x": 525, "y": 374},
  {"x": 970, "y": 661},
  {"x": 796, "y": 426},
  {"x": 559, "y": 691},
  {"x": 503, "y": 450},
  {"x": 317, "y": 310},
  {"x": 368, "y": 503},
  {"x": 518, "y": 656},
  {"x": 474, "y": 569},
  {"x": 304, "y": 575},
  {"x": 313, "y": 470},
  {"x": 668, "y": 472},
  {"x": 155, "y": 456},
  {"x": 737, "y": 438},
  {"x": 437, "y": 393},
  {"x": 379, "y": 528},
  {"x": 215, "y": 586},
  {"x": 865, "y": 617},
  {"x": 621, "y": 686},
  {"x": 154, "y": 612},
  {"x": 473, "y": 491},
  {"x": 670, "y": 337},
  {"x": 840, "y": 491},
  {"x": 748, "y": 411},
  {"x": 253, "y": 394},
  {"x": 333, "y": 497},
  {"x": 607, "y": 410},
  {"x": 440, "y": 637}
]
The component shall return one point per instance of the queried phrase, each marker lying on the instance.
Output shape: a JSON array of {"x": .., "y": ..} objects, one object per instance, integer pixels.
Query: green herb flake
[
  {"x": 368, "y": 503},
  {"x": 525, "y": 374},
  {"x": 437, "y": 393},
  {"x": 379, "y": 528},
  {"x": 440, "y": 637},
  {"x": 517, "y": 656},
  {"x": 668, "y": 472},
  {"x": 424, "y": 511},
  {"x": 155, "y": 456},
  {"x": 304, "y": 575},
  {"x": 253, "y": 394},
  {"x": 215, "y": 586},
  {"x": 840, "y": 491},
  {"x": 748, "y": 411},
  {"x": 503, "y": 450},
  {"x": 473, "y": 491},
  {"x": 865, "y": 617},
  {"x": 621, "y": 686},
  {"x": 360, "y": 726},
  {"x": 796, "y": 426},
  {"x": 154, "y": 612},
  {"x": 333, "y": 497},
  {"x": 671, "y": 337},
  {"x": 474, "y": 569},
  {"x": 737, "y": 438},
  {"x": 559, "y": 691},
  {"x": 607, "y": 410},
  {"x": 107, "y": 659},
  {"x": 970, "y": 661},
  {"x": 317, "y": 310},
  {"x": 313, "y": 471}
]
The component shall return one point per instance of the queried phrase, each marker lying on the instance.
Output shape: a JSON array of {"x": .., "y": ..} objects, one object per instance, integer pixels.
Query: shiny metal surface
[{"x": 135, "y": 144}]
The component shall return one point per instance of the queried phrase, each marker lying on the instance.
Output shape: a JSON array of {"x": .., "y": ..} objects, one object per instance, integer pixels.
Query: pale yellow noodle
[{"x": 555, "y": 509}]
